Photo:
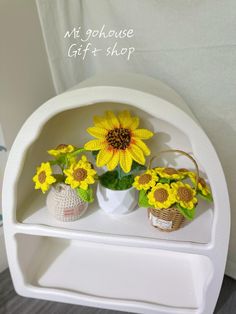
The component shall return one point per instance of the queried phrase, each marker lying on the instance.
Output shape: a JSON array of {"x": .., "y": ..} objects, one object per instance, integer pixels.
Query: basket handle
[{"x": 182, "y": 153}]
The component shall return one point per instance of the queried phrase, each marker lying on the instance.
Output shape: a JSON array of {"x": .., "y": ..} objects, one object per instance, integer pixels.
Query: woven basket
[
  {"x": 64, "y": 204},
  {"x": 169, "y": 219}
]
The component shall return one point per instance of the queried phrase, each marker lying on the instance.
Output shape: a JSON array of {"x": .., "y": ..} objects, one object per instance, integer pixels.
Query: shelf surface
[
  {"x": 142, "y": 275},
  {"x": 134, "y": 224}
]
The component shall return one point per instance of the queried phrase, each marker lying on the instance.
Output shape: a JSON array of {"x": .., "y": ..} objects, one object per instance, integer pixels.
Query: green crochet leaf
[
  {"x": 187, "y": 213},
  {"x": 111, "y": 180},
  {"x": 164, "y": 180},
  {"x": 85, "y": 195},
  {"x": 137, "y": 167},
  {"x": 125, "y": 182},
  {"x": 143, "y": 199},
  {"x": 95, "y": 153},
  {"x": 76, "y": 152},
  {"x": 53, "y": 162},
  {"x": 207, "y": 197}
]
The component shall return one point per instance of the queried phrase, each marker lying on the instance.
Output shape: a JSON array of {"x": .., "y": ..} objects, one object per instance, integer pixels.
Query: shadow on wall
[
  {"x": 223, "y": 136},
  {"x": 3, "y": 151}
]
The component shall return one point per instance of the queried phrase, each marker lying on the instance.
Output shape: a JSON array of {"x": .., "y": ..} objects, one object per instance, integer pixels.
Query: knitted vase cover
[{"x": 64, "y": 203}]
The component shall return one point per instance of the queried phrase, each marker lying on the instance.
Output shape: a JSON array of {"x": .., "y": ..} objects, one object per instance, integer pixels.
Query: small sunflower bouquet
[
  {"x": 170, "y": 194},
  {"x": 119, "y": 148},
  {"x": 69, "y": 179}
]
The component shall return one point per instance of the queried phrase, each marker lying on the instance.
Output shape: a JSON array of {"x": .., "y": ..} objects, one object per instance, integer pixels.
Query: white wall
[{"x": 25, "y": 80}]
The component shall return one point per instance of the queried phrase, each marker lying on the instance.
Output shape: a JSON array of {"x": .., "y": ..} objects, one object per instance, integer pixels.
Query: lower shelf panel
[{"x": 152, "y": 276}]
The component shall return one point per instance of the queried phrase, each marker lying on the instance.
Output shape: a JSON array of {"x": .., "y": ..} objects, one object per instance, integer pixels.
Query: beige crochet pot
[{"x": 64, "y": 203}]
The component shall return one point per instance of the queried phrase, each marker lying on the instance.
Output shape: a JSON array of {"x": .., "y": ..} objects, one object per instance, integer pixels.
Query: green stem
[
  {"x": 77, "y": 151},
  {"x": 119, "y": 171}
]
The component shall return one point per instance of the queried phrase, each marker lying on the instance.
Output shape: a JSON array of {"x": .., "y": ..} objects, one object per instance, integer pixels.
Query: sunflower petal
[
  {"x": 125, "y": 118},
  {"x": 84, "y": 185},
  {"x": 143, "y": 146},
  {"x": 114, "y": 161},
  {"x": 51, "y": 180},
  {"x": 125, "y": 161},
  {"x": 103, "y": 157},
  {"x": 101, "y": 122},
  {"x": 97, "y": 132},
  {"x": 137, "y": 154},
  {"x": 134, "y": 124},
  {"x": 112, "y": 119},
  {"x": 143, "y": 134},
  {"x": 95, "y": 145},
  {"x": 90, "y": 180}
]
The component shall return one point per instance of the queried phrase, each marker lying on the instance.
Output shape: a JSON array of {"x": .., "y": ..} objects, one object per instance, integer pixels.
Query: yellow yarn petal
[
  {"x": 103, "y": 157},
  {"x": 125, "y": 118},
  {"x": 112, "y": 119},
  {"x": 114, "y": 161},
  {"x": 125, "y": 161},
  {"x": 90, "y": 180},
  {"x": 51, "y": 180},
  {"x": 95, "y": 145},
  {"x": 101, "y": 122},
  {"x": 97, "y": 132},
  {"x": 84, "y": 185},
  {"x": 44, "y": 187},
  {"x": 84, "y": 158},
  {"x": 143, "y": 134},
  {"x": 137, "y": 154},
  {"x": 126, "y": 121},
  {"x": 134, "y": 123},
  {"x": 143, "y": 146}
]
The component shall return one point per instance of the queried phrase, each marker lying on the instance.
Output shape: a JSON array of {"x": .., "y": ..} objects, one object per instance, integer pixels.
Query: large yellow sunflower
[
  {"x": 161, "y": 196},
  {"x": 118, "y": 140},
  {"x": 80, "y": 174},
  {"x": 61, "y": 150},
  {"x": 43, "y": 178},
  {"x": 145, "y": 180},
  {"x": 184, "y": 194}
]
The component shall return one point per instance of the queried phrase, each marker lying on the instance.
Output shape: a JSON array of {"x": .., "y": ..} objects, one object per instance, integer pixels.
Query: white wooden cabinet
[{"x": 106, "y": 261}]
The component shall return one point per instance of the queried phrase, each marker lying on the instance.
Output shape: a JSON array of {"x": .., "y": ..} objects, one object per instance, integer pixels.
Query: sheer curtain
[{"x": 190, "y": 45}]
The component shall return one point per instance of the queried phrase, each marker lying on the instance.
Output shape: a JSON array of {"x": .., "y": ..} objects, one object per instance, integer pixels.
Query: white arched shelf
[{"x": 115, "y": 262}]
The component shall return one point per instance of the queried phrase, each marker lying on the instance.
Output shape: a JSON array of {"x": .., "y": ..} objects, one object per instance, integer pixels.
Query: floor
[{"x": 11, "y": 303}]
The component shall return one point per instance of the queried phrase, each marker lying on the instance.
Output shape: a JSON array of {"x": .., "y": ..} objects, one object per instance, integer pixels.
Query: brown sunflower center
[
  {"x": 161, "y": 195},
  {"x": 202, "y": 182},
  {"x": 185, "y": 194},
  {"x": 61, "y": 146},
  {"x": 42, "y": 177},
  {"x": 170, "y": 171},
  {"x": 183, "y": 170},
  {"x": 119, "y": 138},
  {"x": 80, "y": 174},
  {"x": 144, "y": 178}
]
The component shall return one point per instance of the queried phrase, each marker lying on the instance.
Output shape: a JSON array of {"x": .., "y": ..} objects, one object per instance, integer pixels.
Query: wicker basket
[
  {"x": 169, "y": 219},
  {"x": 64, "y": 204}
]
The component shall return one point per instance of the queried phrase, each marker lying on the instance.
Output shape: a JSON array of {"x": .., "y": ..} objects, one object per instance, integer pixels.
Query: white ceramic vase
[
  {"x": 116, "y": 202},
  {"x": 64, "y": 203}
]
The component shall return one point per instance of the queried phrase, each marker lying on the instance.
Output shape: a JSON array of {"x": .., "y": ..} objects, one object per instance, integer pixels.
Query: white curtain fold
[{"x": 190, "y": 45}]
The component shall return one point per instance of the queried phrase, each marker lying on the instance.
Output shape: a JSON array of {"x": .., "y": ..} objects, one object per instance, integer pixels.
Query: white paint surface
[{"x": 41, "y": 130}]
